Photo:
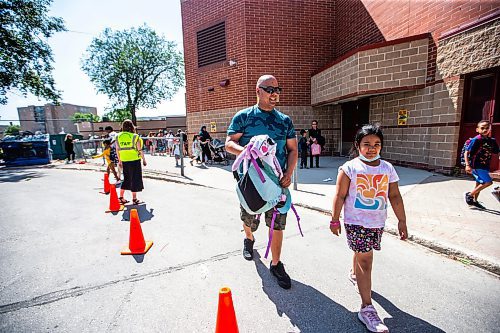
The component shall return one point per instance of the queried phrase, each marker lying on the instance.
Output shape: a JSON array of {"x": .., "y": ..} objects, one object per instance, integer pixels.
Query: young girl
[
  {"x": 177, "y": 151},
  {"x": 106, "y": 153},
  {"x": 196, "y": 150},
  {"x": 363, "y": 186}
]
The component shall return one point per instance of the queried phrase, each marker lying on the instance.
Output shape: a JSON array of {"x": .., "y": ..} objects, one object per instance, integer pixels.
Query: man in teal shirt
[{"x": 260, "y": 119}]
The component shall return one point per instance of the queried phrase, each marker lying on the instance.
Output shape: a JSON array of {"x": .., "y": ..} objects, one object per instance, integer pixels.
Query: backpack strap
[
  {"x": 298, "y": 219},
  {"x": 271, "y": 228},
  {"x": 257, "y": 168},
  {"x": 473, "y": 157}
]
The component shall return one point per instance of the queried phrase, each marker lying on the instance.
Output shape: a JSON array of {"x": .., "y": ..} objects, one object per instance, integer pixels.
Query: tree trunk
[{"x": 132, "y": 112}]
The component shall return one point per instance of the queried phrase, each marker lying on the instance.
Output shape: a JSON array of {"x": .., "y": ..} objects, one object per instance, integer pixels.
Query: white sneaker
[{"x": 368, "y": 316}]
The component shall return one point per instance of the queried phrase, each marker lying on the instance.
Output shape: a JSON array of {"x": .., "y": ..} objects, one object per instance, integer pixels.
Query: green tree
[
  {"x": 135, "y": 67},
  {"x": 78, "y": 116},
  {"x": 25, "y": 57},
  {"x": 12, "y": 130},
  {"x": 118, "y": 115}
]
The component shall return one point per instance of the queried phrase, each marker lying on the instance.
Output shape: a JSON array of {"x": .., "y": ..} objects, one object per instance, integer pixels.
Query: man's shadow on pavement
[
  {"x": 142, "y": 211},
  {"x": 486, "y": 210},
  {"x": 308, "y": 309},
  {"x": 402, "y": 321}
]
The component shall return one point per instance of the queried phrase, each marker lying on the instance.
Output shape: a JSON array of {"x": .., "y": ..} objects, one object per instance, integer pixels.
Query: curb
[{"x": 448, "y": 250}]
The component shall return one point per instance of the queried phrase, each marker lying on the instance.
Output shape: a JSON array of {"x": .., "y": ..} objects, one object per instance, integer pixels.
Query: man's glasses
[{"x": 271, "y": 90}]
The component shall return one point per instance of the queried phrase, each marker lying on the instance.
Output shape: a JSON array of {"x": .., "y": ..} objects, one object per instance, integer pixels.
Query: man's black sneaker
[
  {"x": 248, "y": 248},
  {"x": 469, "y": 199},
  {"x": 478, "y": 205},
  {"x": 279, "y": 272}
]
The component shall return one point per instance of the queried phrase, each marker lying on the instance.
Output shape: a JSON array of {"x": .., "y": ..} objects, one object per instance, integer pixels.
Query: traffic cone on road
[
  {"x": 106, "y": 184},
  {"x": 226, "y": 318},
  {"x": 114, "y": 203},
  {"x": 136, "y": 244}
]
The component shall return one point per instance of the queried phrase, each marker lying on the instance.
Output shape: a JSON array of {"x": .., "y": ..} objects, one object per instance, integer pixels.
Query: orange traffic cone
[
  {"x": 106, "y": 184},
  {"x": 226, "y": 318},
  {"x": 136, "y": 244},
  {"x": 114, "y": 203}
]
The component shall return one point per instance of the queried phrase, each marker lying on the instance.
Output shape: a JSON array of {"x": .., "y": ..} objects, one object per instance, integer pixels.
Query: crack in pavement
[{"x": 79, "y": 291}]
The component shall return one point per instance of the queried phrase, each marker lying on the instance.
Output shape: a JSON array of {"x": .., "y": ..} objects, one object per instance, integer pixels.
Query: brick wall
[
  {"x": 289, "y": 39},
  {"x": 198, "y": 15},
  {"x": 56, "y": 117},
  {"x": 365, "y": 22},
  {"x": 379, "y": 69},
  {"x": 478, "y": 50},
  {"x": 429, "y": 140}
]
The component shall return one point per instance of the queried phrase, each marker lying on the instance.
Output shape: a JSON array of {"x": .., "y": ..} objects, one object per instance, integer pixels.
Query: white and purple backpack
[{"x": 258, "y": 173}]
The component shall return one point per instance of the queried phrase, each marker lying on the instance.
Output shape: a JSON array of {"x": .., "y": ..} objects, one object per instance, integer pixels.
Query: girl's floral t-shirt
[{"x": 366, "y": 201}]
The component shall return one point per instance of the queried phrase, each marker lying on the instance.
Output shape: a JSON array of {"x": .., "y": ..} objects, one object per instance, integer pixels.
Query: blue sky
[{"x": 86, "y": 19}]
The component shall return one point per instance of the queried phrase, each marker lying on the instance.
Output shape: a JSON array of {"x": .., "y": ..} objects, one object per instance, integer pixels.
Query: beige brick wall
[
  {"x": 469, "y": 51},
  {"x": 431, "y": 137},
  {"x": 387, "y": 67}
]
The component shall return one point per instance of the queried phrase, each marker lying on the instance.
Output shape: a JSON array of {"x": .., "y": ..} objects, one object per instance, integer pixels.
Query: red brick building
[
  {"x": 427, "y": 71},
  {"x": 50, "y": 118}
]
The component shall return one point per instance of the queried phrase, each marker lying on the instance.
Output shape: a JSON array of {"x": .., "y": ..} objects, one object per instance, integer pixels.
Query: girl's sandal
[
  {"x": 123, "y": 201},
  {"x": 137, "y": 202}
]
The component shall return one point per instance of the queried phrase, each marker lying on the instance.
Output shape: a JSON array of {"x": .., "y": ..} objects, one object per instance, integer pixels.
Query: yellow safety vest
[{"x": 128, "y": 146}]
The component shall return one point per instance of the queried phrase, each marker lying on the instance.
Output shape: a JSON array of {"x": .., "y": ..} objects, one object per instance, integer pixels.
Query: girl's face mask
[{"x": 361, "y": 157}]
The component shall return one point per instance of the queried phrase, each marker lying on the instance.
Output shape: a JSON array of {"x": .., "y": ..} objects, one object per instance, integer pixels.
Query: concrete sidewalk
[{"x": 437, "y": 215}]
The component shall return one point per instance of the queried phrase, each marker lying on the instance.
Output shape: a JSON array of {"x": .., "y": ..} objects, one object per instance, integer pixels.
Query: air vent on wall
[{"x": 211, "y": 44}]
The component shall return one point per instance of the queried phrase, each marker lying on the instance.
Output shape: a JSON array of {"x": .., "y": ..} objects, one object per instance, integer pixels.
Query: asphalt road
[{"x": 61, "y": 268}]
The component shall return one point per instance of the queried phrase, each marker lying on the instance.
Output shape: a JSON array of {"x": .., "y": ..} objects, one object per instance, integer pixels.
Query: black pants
[
  {"x": 205, "y": 151},
  {"x": 303, "y": 159},
  {"x": 311, "y": 161},
  {"x": 71, "y": 154}
]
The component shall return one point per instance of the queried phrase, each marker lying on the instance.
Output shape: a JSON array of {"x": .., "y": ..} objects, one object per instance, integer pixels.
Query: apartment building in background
[
  {"x": 50, "y": 118},
  {"x": 426, "y": 71}
]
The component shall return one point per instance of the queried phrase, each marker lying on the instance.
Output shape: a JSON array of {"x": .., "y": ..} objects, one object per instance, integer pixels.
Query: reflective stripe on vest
[{"x": 127, "y": 143}]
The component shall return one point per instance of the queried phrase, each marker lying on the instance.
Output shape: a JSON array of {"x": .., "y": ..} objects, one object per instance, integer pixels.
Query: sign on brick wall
[
  {"x": 213, "y": 126},
  {"x": 402, "y": 117}
]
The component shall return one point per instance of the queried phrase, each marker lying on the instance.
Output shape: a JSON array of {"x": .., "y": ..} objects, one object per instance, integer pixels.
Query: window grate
[{"x": 211, "y": 43}]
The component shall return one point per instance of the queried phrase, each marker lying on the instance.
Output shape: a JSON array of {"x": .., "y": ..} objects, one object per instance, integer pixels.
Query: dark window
[
  {"x": 482, "y": 97},
  {"x": 211, "y": 43},
  {"x": 39, "y": 114}
]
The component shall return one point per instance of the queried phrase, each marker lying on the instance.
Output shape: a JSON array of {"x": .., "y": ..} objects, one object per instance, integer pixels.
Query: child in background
[
  {"x": 477, "y": 161},
  {"x": 177, "y": 151},
  {"x": 303, "y": 147},
  {"x": 363, "y": 186},
  {"x": 160, "y": 143},
  {"x": 315, "y": 151},
  {"x": 106, "y": 153},
  {"x": 196, "y": 150}
]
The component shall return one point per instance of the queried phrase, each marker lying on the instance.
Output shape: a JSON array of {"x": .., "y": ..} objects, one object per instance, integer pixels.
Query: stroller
[{"x": 219, "y": 154}]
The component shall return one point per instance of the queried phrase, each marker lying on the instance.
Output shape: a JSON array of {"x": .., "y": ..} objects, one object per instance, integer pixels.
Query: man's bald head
[{"x": 264, "y": 78}]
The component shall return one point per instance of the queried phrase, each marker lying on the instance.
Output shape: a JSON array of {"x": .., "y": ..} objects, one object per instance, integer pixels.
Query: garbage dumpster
[
  {"x": 56, "y": 143},
  {"x": 30, "y": 150}
]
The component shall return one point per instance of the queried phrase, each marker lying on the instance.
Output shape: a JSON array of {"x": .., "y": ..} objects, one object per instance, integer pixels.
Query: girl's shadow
[
  {"x": 142, "y": 211},
  {"x": 402, "y": 321},
  {"x": 308, "y": 309}
]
